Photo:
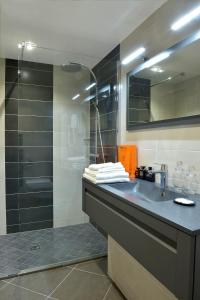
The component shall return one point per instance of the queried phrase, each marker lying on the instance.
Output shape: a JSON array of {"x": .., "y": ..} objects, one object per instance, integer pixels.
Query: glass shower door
[{"x": 54, "y": 136}]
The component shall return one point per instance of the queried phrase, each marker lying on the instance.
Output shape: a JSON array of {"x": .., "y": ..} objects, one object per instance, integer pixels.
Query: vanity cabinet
[{"x": 169, "y": 254}]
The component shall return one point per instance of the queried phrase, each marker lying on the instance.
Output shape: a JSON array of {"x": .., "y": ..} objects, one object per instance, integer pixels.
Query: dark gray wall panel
[
  {"x": 29, "y": 146},
  {"x": 106, "y": 72}
]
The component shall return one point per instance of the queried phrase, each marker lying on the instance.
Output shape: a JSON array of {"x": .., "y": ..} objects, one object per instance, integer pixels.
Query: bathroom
[{"x": 74, "y": 93}]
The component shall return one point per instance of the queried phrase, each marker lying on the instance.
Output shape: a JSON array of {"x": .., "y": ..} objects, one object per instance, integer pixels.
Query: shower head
[{"x": 72, "y": 67}]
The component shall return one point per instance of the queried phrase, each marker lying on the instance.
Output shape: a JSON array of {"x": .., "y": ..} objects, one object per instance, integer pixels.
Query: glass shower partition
[
  {"x": 48, "y": 131},
  {"x": 54, "y": 136}
]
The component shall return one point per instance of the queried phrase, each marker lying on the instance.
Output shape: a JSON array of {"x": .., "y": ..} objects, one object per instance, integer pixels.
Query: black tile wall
[
  {"x": 35, "y": 92},
  {"x": 11, "y": 122},
  {"x": 12, "y": 170},
  {"x": 35, "y": 139},
  {"x": 35, "y": 123},
  {"x": 40, "y": 108},
  {"x": 29, "y": 65},
  {"x": 12, "y": 216},
  {"x": 36, "y": 225},
  {"x": 28, "y": 154},
  {"x": 11, "y": 187},
  {"x": 12, "y": 202},
  {"x": 29, "y": 146},
  {"x": 138, "y": 108},
  {"x": 13, "y": 228},
  {"x": 35, "y": 199},
  {"x": 30, "y": 76},
  {"x": 36, "y": 169},
  {"x": 106, "y": 72},
  {"x": 35, "y": 184},
  {"x": 28, "y": 92},
  {"x": 11, "y": 139},
  {"x": 11, "y": 106}
]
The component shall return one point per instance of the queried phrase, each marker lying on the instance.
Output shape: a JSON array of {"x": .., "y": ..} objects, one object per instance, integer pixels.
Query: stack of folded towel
[{"x": 106, "y": 173}]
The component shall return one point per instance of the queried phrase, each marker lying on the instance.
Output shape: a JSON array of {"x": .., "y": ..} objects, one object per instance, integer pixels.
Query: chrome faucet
[{"x": 163, "y": 177}]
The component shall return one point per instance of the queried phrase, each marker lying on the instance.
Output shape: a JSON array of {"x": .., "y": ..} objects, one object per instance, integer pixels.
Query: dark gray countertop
[{"x": 184, "y": 218}]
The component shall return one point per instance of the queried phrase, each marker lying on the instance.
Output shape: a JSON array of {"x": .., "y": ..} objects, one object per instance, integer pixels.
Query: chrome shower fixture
[
  {"x": 27, "y": 45},
  {"x": 73, "y": 67}
]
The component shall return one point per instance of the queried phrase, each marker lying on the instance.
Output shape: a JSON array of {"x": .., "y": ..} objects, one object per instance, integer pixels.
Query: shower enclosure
[{"x": 51, "y": 126}]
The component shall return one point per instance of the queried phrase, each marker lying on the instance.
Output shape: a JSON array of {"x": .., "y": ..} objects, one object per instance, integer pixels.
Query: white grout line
[
  {"x": 19, "y": 99},
  {"x": 22, "y": 287},
  {"x": 6, "y": 283},
  {"x": 61, "y": 282},
  {"x": 19, "y": 286},
  {"x": 81, "y": 270},
  {"x": 108, "y": 290},
  {"x": 35, "y": 116},
  {"x": 28, "y": 68},
  {"x": 27, "y": 84}
]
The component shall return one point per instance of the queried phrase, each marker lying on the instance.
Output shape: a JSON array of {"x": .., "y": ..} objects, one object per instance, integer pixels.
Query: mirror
[{"x": 166, "y": 92}]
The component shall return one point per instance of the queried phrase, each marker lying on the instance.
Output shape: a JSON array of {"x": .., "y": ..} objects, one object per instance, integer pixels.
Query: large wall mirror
[{"x": 166, "y": 92}]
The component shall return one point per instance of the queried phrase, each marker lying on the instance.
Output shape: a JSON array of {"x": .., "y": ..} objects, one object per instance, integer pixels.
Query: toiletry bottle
[
  {"x": 137, "y": 171},
  {"x": 142, "y": 172},
  {"x": 150, "y": 176}
]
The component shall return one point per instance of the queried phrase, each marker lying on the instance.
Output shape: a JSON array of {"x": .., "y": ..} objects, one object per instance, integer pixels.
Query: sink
[{"x": 144, "y": 190}]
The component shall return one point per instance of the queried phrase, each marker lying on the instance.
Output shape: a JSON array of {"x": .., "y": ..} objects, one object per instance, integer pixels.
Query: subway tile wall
[
  {"x": 106, "y": 72},
  {"x": 29, "y": 146},
  {"x": 2, "y": 149},
  {"x": 169, "y": 146}
]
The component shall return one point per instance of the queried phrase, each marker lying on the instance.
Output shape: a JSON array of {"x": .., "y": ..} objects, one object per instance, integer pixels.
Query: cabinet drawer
[{"x": 155, "y": 252}]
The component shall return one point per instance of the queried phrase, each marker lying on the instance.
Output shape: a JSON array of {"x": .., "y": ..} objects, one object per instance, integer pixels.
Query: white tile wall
[
  {"x": 168, "y": 146},
  {"x": 2, "y": 149}
]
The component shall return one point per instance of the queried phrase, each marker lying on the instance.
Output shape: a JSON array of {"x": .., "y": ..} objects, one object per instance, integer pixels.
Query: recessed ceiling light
[
  {"x": 186, "y": 19},
  {"x": 90, "y": 86},
  {"x": 76, "y": 97},
  {"x": 157, "y": 69},
  {"x": 154, "y": 60},
  {"x": 133, "y": 56}
]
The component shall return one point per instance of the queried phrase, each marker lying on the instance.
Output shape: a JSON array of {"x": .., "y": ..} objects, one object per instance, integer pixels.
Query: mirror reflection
[{"x": 166, "y": 90}]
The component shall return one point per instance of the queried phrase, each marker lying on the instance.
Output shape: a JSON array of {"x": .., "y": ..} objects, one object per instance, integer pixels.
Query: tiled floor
[
  {"x": 37, "y": 250},
  {"x": 84, "y": 281}
]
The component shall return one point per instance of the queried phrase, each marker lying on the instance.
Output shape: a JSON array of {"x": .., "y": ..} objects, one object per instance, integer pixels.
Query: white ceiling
[{"x": 85, "y": 29}]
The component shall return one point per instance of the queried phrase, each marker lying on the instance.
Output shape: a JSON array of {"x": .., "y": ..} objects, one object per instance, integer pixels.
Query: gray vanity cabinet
[{"x": 168, "y": 253}]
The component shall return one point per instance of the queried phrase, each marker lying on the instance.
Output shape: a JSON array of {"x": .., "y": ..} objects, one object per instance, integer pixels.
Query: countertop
[{"x": 185, "y": 218}]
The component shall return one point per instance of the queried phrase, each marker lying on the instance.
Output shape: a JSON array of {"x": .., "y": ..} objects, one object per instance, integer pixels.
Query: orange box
[{"x": 127, "y": 155}]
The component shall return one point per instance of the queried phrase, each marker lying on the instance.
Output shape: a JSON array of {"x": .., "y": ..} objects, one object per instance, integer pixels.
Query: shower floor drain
[{"x": 35, "y": 247}]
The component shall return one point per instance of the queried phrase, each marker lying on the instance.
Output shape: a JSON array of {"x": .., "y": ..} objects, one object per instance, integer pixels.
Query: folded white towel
[
  {"x": 108, "y": 175},
  {"x": 98, "y": 167},
  {"x": 104, "y": 171},
  {"x": 98, "y": 181}
]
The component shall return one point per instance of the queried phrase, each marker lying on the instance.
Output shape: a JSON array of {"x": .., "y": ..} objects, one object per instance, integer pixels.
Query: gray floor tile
[
  {"x": 114, "y": 294},
  {"x": 42, "y": 282},
  {"x": 82, "y": 286},
  {"x": 10, "y": 292},
  {"x": 56, "y": 245},
  {"x": 97, "y": 266},
  {"x": 2, "y": 284}
]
